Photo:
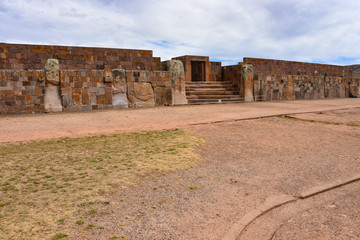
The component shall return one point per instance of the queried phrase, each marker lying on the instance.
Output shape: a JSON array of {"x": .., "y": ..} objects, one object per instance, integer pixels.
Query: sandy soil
[{"x": 244, "y": 162}]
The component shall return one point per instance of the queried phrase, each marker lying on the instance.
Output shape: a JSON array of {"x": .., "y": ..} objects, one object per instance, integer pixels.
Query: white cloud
[{"x": 306, "y": 30}]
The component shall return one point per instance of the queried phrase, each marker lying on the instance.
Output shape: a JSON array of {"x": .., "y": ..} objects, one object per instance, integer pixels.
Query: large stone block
[
  {"x": 52, "y": 99},
  {"x": 120, "y": 100},
  {"x": 140, "y": 94}
]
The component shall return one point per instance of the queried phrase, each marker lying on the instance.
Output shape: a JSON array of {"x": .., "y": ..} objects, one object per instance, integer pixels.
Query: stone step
[
  {"x": 212, "y": 82},
  {"x": 212, "y": 92},
  {"x": 211, "y": 86},
  {"x": 214, "y": 101},
  {"x": 212, "y": 97},
  {"x": 211, "y": 89}
]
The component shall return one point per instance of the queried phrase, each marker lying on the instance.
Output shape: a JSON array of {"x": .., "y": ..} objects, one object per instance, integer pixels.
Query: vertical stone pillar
[
  {"x": 176, "y": 68},
  {"x": 52, "y": 99},
  {"x": 247, "y": 74},
  {"x": 120, "y": 99}
]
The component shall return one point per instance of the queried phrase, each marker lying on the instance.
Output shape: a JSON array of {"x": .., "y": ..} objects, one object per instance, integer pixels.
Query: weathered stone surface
[
  {"x": 52, "y": 71},
  {"x": 120, "y": 100},
  {"x": 248, "y": 76},
  {"x": 108, "y": 96},
  {"x": 119, "y": 84},
  {"x": 140, "y": 94},
  {"x": 163, "y": 96},
  {"x": 52, "y": 99},
  {"x": 176, "y": 68},
  {"x": 287, "y": 90},
  {"x": 108, "y": 77}
]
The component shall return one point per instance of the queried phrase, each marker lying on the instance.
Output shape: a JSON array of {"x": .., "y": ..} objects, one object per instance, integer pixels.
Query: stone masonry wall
[
  {"x": 25, "y": 57},
  {"x": 215, "y": 71},
  {"x": 22, "y": 91},
  {"x": 356, "y": 71},
  {"x": 36, "y": 91},
  {"x": 291, "y": 87},
  {"x": 101, "y": 89},
  {"x": 233, "y": 74},
  {"x": 279, "y": 67}
]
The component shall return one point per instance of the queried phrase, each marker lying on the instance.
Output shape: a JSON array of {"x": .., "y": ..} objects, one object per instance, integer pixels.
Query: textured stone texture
[
  {"x": 233, "y": 74},
  {"x": 52, "y": 99},
  {"x": 103, "y": 78},
  {"x": 119, "y": 89},
  {"x": 356, "y": 71},
  {"x": 290, "y": 87},
  {"x": 176, "y": 68},
  {"x": 52, "y": 71},
  {"x": 247, "y": 72},
  {"x": 21, "y": 56},
  {"x": 280, "y": 67},
  {"x": 215, "y": 71},
  {"x": 140, "y": 94},
  {"x": 22, "y": 91}
]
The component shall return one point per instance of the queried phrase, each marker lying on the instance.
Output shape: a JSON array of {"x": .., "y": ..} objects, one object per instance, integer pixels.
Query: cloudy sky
[{"x": 322, "y": 31}]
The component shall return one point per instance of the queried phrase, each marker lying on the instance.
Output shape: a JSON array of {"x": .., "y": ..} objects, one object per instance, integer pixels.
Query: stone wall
[
  {"x": 26, "y": 57},
  {"x": 101, "y": 89},
  {"x": 53, "y": 90},
  {"x": 215, "y": 71},
  {"x": 22, "y": 91},
  {"x": 280, "y": 67},
  {"x": 233, "y": 74},
  {"x": 356, "y": 71},
  {"x": 354, "y": 87},
  {"x": 291, "y": 87}
]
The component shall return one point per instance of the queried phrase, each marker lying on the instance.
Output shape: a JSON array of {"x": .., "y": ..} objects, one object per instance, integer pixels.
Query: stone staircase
[{"x": 212, "y": 93}]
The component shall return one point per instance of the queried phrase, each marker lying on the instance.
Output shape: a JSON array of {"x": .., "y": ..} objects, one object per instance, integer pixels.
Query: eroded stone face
[
  {"x": 175, "y": 66},
  {"x": 247, "y": 69},
  {"x": 52, "y": 72},
  {"x": 140, "y": 94}
]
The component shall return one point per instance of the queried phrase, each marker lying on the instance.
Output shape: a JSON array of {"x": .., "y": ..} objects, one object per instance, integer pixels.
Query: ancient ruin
[{"x": 39, "y": 78}]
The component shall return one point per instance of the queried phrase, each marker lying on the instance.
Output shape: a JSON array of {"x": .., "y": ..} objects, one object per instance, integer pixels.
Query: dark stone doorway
[{"x": 197, "y": 71}]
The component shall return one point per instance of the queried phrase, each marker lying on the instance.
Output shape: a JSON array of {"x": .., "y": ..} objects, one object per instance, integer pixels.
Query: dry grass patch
[{"x": 45, "y": 184}]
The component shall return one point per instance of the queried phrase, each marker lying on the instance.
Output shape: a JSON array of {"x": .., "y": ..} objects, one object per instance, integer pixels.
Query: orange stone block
[{"x": 100, "y": 99}]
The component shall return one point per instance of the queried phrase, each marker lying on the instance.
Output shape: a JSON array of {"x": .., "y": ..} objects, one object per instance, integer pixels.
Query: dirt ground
[
  {"x": 45, "y": 126},
  {"x": 243, "y": 163},
  {"x": 328, "y": 216}
]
